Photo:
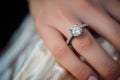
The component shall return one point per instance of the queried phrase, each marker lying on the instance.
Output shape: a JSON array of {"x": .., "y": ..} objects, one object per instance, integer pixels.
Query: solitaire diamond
[{"x": 76, "y": 30}]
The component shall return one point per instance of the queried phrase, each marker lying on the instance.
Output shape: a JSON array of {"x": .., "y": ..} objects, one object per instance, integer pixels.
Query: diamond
[{"x": 76, "y": 30}]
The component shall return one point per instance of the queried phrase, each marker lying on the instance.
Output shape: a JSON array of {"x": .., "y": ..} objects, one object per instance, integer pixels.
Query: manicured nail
[
  {"x": 118, "y": 78},
  {"x": 92, "y": 78}
]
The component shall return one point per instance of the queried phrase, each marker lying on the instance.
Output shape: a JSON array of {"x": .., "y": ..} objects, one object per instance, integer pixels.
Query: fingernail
[
  {"x": 92, "y": 78},
  {"x": 118, "y": 78}
]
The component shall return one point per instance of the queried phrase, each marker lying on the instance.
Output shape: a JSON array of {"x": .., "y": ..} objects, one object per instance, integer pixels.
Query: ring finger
[{"x": 92, "y": 51}]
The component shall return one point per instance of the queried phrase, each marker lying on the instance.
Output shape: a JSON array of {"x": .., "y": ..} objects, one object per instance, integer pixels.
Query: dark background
[{"x": 11, "y": 14}]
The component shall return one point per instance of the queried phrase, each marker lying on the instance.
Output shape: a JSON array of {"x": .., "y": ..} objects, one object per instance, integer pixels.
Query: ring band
[{"x": 76, "y": 30}]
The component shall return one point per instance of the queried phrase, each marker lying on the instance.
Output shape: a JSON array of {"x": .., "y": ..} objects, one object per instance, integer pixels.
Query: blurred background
[{"x": 12, "y": 14}]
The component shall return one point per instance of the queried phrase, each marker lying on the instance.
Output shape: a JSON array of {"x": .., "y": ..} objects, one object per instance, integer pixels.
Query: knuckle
[
  {"x": 58, "y": 50},
  {"x": 83, "y": 43},
  {"x": 111, "y": 72}
]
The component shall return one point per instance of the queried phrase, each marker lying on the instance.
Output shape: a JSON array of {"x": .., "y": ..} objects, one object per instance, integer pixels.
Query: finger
[
  {"x": 64, "y": 55},
  {"x": 91, "y": 50},
  {"x": 113, "y": 8},
  {"x": 102, "y": 23},
  {"x": 96, "y": 56}
]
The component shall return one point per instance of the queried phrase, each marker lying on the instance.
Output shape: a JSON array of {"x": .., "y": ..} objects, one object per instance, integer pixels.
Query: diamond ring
[{"x": 76, "y": 30}]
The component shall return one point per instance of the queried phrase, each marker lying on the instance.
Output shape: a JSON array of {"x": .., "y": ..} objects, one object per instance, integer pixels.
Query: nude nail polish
[
  {"x": 118, "y": 78},
  {"x": 92, "y": 78}
]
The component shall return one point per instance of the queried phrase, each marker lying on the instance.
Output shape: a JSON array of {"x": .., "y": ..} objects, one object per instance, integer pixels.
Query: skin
[{"x": 53, "y": 19}]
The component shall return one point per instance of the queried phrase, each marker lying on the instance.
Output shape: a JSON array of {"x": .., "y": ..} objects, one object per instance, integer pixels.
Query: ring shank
[{"x": 69, "y": 40}]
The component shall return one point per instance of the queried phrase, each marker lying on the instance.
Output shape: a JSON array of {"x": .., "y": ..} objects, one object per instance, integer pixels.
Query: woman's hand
[{"x": 53, "y": 19}]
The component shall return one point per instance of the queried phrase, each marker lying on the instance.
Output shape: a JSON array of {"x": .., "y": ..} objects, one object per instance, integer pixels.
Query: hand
[{"x": 53, "y": 19}]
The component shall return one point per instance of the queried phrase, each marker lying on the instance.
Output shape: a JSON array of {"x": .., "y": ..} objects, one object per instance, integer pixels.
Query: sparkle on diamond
[{"x": 76, "y": 30}]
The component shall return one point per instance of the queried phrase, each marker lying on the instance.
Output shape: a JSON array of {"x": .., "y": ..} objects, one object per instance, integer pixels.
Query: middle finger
[{"x": 102, "y": 23}]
